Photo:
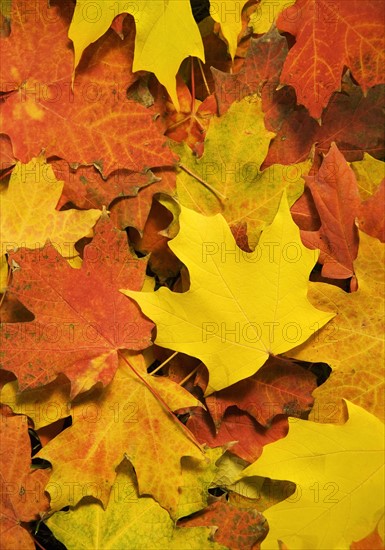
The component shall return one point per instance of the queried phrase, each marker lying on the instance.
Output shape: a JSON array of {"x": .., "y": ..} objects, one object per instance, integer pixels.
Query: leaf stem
[
  {"x": 189, "y": 375},
  {"x": 187, "y": 432},
  {"x": 164, "y": 363},
  {"x": 192, "y": 86},
  {"x": 204, "y": 76},
  {"x": 217, "y": 193}
]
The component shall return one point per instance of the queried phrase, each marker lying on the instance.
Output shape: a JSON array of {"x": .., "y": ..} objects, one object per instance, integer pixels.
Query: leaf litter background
[{"x": 185, "y": 362}]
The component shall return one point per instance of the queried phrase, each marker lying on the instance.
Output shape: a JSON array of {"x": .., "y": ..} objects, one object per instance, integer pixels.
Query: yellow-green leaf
[
  {"x": 235, "y": 147},
  {"x": 166, "y": 33},
  {"x": 198, "y": 476},
  {"x": 339, "y": 472},
  {"x": 241, "y": 307},
  {"x": 128, "y": 523},
  {"x": 369, "y": 173}
]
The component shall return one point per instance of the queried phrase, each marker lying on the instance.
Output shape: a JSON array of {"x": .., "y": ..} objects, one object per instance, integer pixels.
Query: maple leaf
[
  {"x": 154, "y": 242},
  {"x": 228, "y": 14},
  {"x": 22, "y": 488},
  {"x": 259, "y": 73},
  {"x": 351, "y": 120},
  {"x": 29, "y": 218},
  {"x": 237, "y": 529},
  {"x": 239, "y": 430},
  {"x": 198, "y": 476},
  {"x": 335, "y": 194},
  {"x": 83, "y": 126},
  {"x": 296, "y": 132},
  {"x": 111, "y": 426},
  {"x": 190, "y": 123},
  {"x": 43, "y": 405},
  {"x": 127, "y": 522},
  {"x": 228, "y": 179},
  {"x": 266, "y": 14},
  {"x": 369, "y": 173},
  {"x": 166, "y": 33},
  {"x": 329, "y": 37},
  {"x": 339, "y": 475},
  {"x": 228, "y": 326},
  {"x": 352, "y": 344},
  {"x": 134, "y": 211},
  {"x": 86, "y": 188},
  {"x": 75, "y": 332},
  {"x": 279, "y": 387}
]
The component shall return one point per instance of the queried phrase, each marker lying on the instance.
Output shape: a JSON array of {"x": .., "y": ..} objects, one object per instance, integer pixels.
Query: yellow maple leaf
[
  {"x": 339, "y": 472},
  {"x": 166, "y": 33},
  {"x": 228, "y": 14},
  {"x": 28, "y": 215},
  {"x": 241, "y": 307}
]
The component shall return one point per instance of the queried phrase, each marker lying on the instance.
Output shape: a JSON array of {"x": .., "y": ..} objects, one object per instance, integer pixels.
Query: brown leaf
[{"x": 335, "y": 194}]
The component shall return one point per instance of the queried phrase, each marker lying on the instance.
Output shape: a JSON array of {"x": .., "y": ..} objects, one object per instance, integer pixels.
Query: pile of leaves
[{"x": 192, "y": 274}]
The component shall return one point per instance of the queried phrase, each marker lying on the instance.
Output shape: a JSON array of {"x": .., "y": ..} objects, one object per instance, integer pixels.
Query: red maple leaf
[
  {"x": 330, "y": 36},
  {"x": 81, "y": 318}
]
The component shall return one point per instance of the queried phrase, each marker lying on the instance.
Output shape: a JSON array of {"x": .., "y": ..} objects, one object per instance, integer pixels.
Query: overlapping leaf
[
  {"x": 244, "y": 436},
  {"x": 237, "y": 529},
  {"x": 279, "y": 387},
  {"x": 75, "y": 332},
  {"x": 228, "y": 178},
  {"x": 165, "y": 28},
  {"x": 29, "y": 218},
  {"x": 43, "y": 405},
  {"x": 233, "y": 329},
  {"x": 334, "y": 505},
  {"x": 353, "y": 343},
  {"x": 83, "y": 126},
  {"x": 228, "y": 14},
  {"x": 88, "y": 526},
  {"x": 22, "y": 488},
  {"x": 110, "y": 427},
  {"x": 259, "y": 73},
  {"x": 335, "y": 194},
  {"x": 330, "y": 36}
]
